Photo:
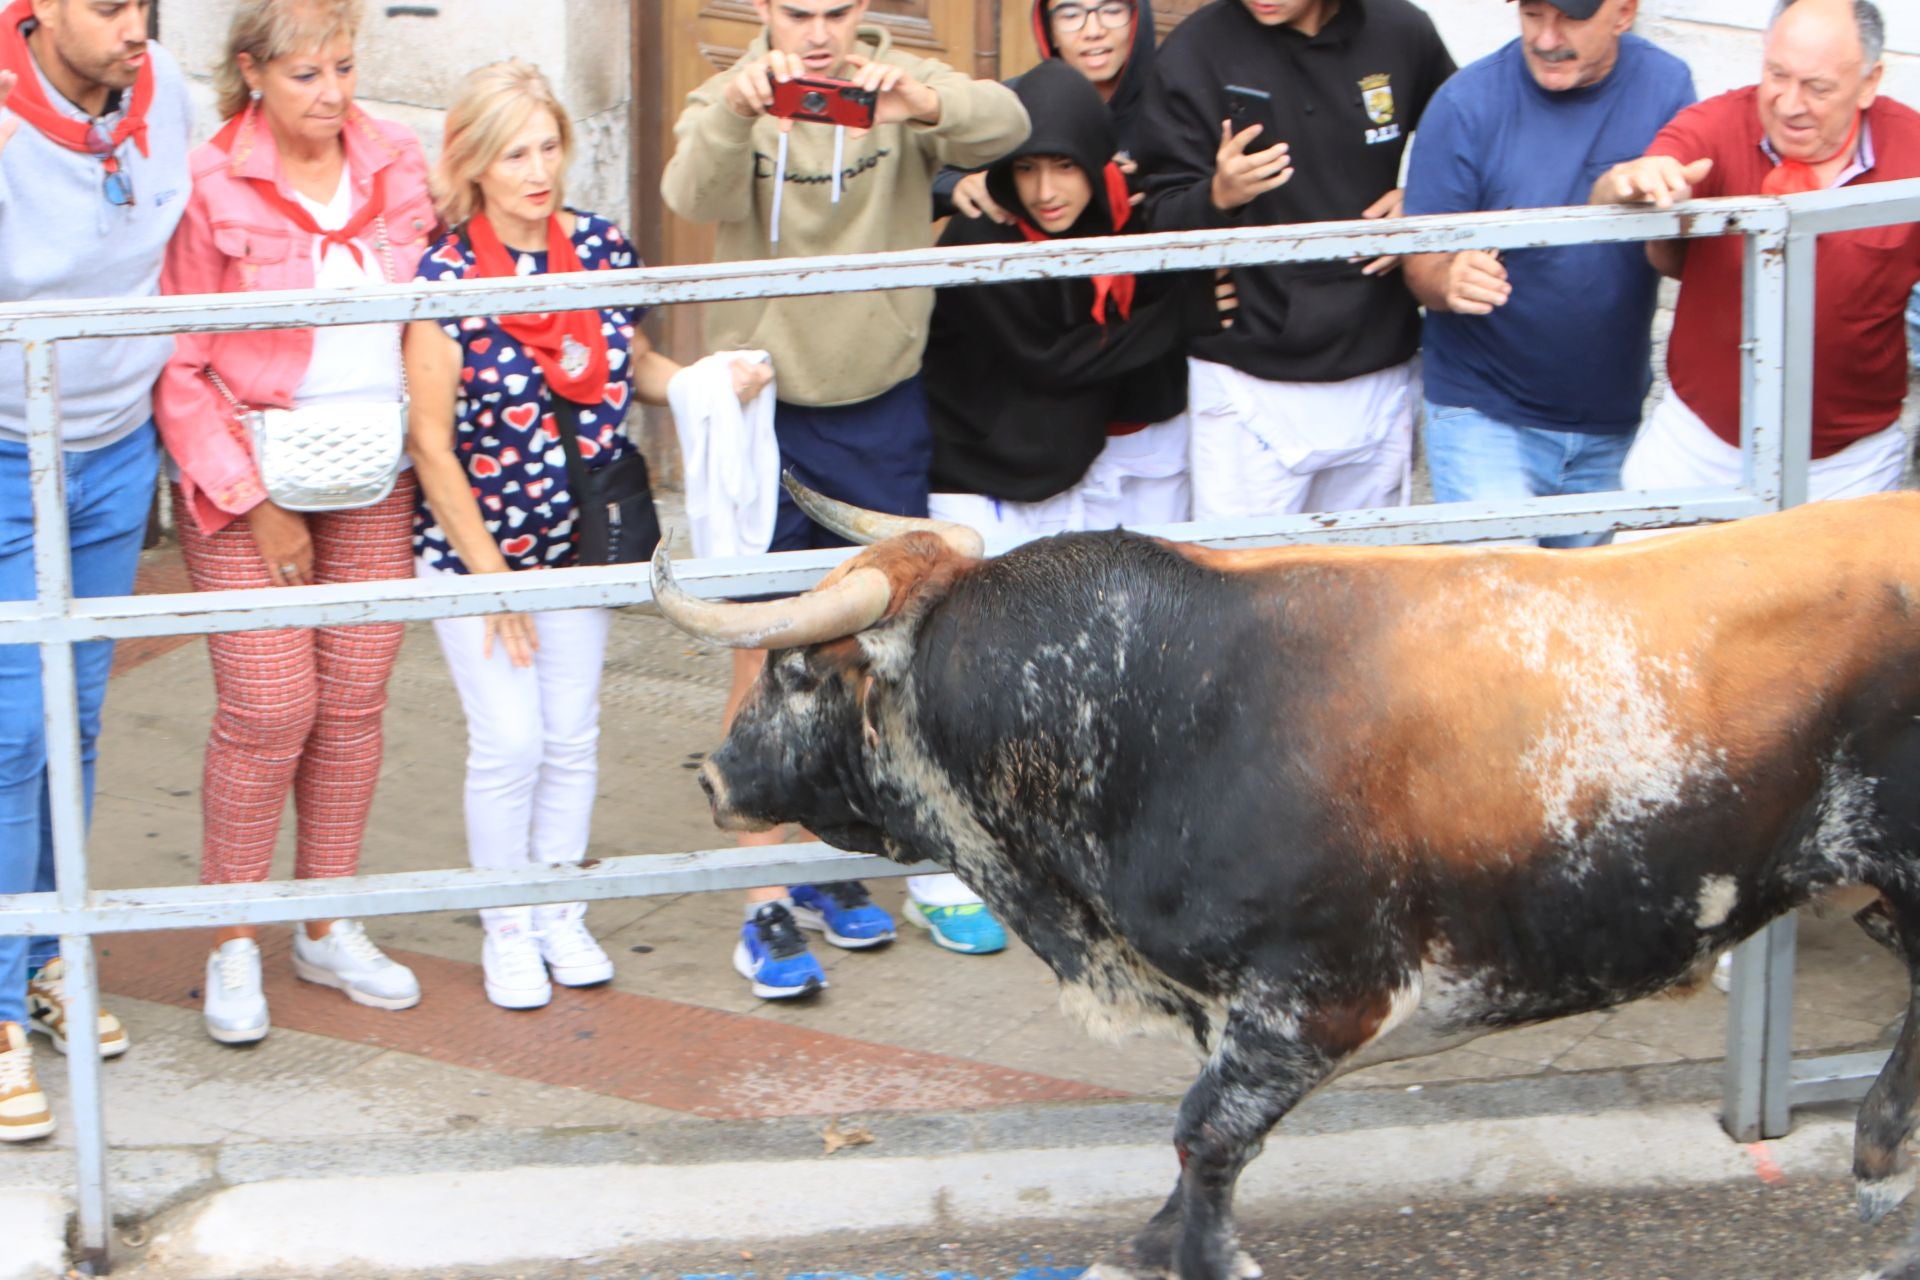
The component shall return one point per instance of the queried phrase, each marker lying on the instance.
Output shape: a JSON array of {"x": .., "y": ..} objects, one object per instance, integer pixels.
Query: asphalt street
[{"x": 1803, "y": 1229}]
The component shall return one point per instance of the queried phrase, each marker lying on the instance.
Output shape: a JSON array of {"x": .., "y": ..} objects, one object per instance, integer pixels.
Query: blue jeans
[
  {"x": 108, "y": 493},
  {"x": 1474, "y": 458},
  {"x": 1913, "y": 328}
]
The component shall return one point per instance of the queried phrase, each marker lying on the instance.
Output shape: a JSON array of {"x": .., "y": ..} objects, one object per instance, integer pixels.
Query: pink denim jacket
[{"x": 230, "y": 240}]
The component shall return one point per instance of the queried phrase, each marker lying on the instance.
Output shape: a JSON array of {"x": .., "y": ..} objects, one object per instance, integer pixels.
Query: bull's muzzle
[{"x": 725, "y": 816}]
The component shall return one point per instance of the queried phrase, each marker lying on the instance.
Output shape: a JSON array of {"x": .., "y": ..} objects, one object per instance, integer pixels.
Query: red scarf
[
  {"x": 295, "y": 212},
  {"x": 1118, "y": 288},
  {"x": 29, "y": 100},
  {"x": 567, "y": 345},
  {"x": 1791, "y": 177}
]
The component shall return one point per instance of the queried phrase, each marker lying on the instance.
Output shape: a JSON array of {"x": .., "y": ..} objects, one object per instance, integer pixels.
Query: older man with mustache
[
  {"x": 1815, "y": 121},
  {"x": 1538, "y": 360}
]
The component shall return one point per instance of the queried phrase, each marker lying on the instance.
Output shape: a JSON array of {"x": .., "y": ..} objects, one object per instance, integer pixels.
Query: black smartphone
[{"x": 1248, "y": 107}]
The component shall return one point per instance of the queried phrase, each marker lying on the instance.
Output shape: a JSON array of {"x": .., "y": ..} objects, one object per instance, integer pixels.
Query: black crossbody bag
[{"x": 613, "y": 517}]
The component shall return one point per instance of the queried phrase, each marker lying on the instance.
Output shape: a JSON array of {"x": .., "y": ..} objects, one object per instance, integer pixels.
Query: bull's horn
[
  {"x": 852, "y": 604},
  {"x": 857, "y": 524}
]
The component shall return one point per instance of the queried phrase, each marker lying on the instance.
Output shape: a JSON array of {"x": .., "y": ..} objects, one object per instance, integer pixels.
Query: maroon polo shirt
[{"x": 1863, "y": 279}]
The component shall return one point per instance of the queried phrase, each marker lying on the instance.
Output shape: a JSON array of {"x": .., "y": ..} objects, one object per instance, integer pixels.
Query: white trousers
[
  {"x": 1675, "y": 449},
  {"x": 1138, "y": 479},
  {"x": 1264, "y": 448},
  {"x": 533, "y": 736}
]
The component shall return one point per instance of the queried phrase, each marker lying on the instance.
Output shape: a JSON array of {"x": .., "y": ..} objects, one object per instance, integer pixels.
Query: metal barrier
[{"x": 1775, "y": 429}]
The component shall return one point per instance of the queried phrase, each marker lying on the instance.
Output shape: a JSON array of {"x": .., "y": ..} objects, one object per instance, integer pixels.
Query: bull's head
[{"x": 802, "y": 743}]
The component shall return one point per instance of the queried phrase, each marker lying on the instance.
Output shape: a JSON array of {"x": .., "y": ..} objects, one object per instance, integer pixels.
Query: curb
[
  {"x": 434, "y": 1203},
  {"x": 428, "y": 1221}
]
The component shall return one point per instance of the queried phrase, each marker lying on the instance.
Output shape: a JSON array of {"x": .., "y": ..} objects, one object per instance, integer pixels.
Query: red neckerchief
[
  {"x": 1118, "y": 288},
  {"x": 567, "y": 345},
  {"x": 1791, "y": 177},
  {"x": 295, "y": 212},
  {"x": 29, "y": 100}
]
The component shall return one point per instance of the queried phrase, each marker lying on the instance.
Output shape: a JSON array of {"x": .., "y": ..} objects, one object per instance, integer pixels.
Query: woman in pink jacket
[{"x": 300, "y": 189}]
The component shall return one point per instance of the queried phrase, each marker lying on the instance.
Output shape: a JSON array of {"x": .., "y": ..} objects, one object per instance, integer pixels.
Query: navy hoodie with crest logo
[
  {"x": 1022, "y": 381},
  {"x": 1346, "y": 101},
  {"x": 1123, "y": 108}
]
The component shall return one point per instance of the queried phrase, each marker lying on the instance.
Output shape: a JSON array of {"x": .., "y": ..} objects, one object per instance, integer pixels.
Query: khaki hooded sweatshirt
[{"x": 841, "y": 348}]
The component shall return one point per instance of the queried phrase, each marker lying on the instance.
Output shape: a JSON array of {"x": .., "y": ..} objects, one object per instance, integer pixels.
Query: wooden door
[{"x": 678, "y": 44}]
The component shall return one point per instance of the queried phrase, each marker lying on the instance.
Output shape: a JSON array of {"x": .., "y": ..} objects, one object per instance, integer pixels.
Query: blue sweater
[
  {"x": 60, "y": 238},
  {"x": 1571, "y": 349}
]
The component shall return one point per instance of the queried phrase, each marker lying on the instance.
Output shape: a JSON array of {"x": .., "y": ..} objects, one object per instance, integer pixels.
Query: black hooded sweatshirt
[
  {"x": 1346, "y": 101},
  {"x": 1022, "y": 382},
  {"x": 1123, "y": 108}
]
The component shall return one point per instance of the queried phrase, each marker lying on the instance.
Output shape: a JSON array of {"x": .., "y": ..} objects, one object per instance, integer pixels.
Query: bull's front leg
[{"x": 1269, "y": 1058}]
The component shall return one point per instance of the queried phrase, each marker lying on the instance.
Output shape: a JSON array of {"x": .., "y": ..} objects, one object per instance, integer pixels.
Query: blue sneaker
[
  {"x": 773, "y": 956},
  {"x": 844, "y": 911},
  {"x": 971, "y": 929}
]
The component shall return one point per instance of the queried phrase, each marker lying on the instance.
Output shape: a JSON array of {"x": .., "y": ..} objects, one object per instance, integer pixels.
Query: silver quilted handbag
[{"x": 331, "y": 457}]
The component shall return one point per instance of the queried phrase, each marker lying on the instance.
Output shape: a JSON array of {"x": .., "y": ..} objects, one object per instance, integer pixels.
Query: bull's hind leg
[{"x": 1881, "y": 1170}]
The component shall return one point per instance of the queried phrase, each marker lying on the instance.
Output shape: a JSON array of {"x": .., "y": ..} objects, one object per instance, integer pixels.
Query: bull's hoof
[
  {"x": 1109, "y": 1270},
  {"x": 1877, "y": 1197},
  {"x": 1244, "y": 1268}
]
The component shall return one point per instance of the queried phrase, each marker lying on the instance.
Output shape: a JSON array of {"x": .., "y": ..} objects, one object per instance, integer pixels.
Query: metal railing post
[
  {"x": 66, "y": 795},
  {"x": 1776, "y": 428}
]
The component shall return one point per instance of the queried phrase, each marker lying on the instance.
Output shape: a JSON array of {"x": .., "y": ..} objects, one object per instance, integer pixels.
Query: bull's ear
[{"x": 889, "y": 647}]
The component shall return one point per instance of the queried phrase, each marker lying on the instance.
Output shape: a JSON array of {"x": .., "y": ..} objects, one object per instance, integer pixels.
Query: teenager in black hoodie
[
  {"x": 1026, "y": 381},
  {"x": 1110, "y": 42}
]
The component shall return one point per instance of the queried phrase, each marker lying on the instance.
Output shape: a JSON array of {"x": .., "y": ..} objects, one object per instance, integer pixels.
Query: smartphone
[
  {"x": 1248, "y": 107},
  {"x": 824, "y": 101}
]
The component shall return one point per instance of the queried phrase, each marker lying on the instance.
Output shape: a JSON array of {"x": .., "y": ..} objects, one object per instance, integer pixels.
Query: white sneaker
[
  {"x": 236, "y": 1009},
  {"x": 575, "y": 959},
  {"x": 347, "y": 958},
  {"x": 510, "y": 958},
  {"x": 1723, "y": 971},
  {"x": 24, "y": 1113}
]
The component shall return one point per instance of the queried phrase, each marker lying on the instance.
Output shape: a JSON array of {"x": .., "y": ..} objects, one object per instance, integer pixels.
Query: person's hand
[
  {"x": 1390, "y": 205},
  {"x": 1239, "y": 175},
  {"x": 1477, "y": 282},
  {"x": 9, "y": 122},
  {"x": 515, "y": 632},
  {"x": 750, "y": 92},
  {"x": 899, "y": 96},
  {"x": 970, "y": 198},
  {"x": 750, "y": 377},
  {"x": 1660, "y": 181},
  {"x": 1226, "y": 299},
  {"x": 1128, "y": 167},
  {"x": 281, "y": 535}
]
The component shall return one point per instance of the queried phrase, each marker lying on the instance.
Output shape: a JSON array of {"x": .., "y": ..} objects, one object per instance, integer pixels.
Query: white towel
[{"x": 731, "y": 458}]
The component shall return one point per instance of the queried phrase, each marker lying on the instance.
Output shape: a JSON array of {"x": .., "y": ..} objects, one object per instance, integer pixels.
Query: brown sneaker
[
  {"x": 47, "y": 1007},
  {"x": 24, "y": 1113}
]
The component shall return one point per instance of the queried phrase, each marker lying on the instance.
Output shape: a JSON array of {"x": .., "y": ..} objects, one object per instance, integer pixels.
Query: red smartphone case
[{"x": 823, "y": 101}]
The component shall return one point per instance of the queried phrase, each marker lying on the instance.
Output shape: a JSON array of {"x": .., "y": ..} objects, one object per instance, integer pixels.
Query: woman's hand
[
  {"x": 514, "y": 631},
  {"x": 750, "y": 377},
  {"x": 284, "y": 544}
]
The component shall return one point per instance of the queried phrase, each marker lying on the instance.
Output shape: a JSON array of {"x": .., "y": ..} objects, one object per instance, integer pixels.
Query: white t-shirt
[{"x": 356, "y": 361}]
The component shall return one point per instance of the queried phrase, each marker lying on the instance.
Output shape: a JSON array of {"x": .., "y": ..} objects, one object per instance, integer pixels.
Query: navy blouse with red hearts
[{"x": 504, "y": 432}]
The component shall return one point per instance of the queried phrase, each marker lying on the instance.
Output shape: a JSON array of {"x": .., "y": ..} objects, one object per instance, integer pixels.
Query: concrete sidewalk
[{"x": 358, "y": 1138}]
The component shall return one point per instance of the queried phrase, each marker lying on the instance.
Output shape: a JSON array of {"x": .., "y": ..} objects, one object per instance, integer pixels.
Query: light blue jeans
[
  {"x": 1913, "y": 328},
  {"x": 1474, "y": 458},
  {"x": 108, "y": 493}
]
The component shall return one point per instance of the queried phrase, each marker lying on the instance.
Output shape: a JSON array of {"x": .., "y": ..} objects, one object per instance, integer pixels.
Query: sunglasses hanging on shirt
[{"x": 117, "y": 186}]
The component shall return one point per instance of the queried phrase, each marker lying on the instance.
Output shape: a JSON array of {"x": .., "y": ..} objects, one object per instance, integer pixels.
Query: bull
[{"x": 1311, "y": 808}]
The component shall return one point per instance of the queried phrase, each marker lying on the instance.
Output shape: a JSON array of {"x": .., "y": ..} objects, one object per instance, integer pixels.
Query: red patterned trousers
[{"x": 298, "y": 709}]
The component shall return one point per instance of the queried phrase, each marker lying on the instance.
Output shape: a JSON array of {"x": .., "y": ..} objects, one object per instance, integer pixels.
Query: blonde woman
[
  {"x": 300, "y": 189},
  {"x": 495, "y": 499}
]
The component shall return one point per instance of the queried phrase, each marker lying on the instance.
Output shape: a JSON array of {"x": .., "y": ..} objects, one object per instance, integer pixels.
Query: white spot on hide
[{"x": 1717, "y": 896}]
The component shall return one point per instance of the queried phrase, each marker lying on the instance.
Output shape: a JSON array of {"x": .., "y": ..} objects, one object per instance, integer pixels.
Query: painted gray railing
[{"x": 1777, "y": 390}]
